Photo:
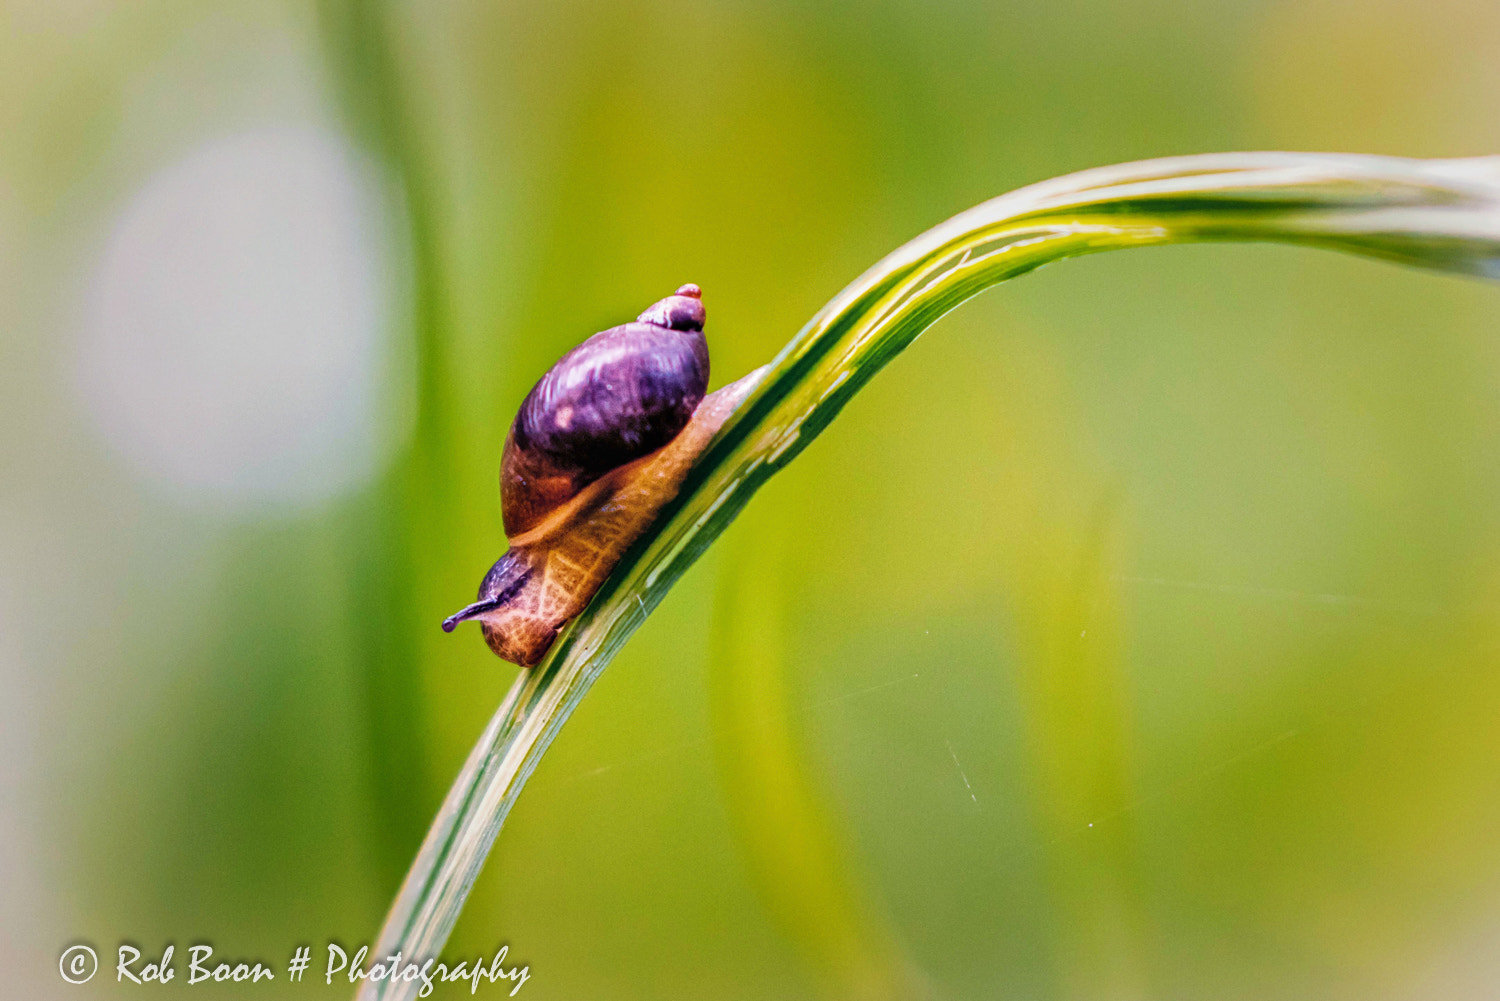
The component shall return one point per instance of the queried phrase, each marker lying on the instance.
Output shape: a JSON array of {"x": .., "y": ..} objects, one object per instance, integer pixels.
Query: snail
[{"x": 600, "y": 444}]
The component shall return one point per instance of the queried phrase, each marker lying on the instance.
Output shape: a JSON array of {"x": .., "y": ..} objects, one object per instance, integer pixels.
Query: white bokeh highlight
[{"x": 235, "y": 350}]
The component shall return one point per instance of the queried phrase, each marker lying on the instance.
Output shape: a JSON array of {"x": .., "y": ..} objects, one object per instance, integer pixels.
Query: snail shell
[{"x": 601, "y": 442}]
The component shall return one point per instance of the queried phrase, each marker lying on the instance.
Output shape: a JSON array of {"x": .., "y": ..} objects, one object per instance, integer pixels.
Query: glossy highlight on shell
[{"x": 601, "y": 442}]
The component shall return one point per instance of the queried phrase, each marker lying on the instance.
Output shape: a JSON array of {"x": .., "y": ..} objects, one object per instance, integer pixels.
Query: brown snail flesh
[{"x": 601, "y": 442}]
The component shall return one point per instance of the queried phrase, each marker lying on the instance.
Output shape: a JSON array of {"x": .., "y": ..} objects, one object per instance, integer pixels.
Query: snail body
[{"x": 601, "y": 442}]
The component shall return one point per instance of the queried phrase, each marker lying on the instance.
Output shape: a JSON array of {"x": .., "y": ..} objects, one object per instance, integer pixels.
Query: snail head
[{"x": 507, "y": 610}]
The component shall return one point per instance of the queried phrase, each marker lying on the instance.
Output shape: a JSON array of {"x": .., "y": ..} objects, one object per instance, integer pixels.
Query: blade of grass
[{"x": 1441, "y": 214}]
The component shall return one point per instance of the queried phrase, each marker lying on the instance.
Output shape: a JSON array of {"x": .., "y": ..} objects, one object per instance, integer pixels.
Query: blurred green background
[{"x": 1134, "y": 636}]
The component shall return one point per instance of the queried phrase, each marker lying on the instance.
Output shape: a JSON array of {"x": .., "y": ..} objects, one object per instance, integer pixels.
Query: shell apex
[{"x": 682, "y": 310}]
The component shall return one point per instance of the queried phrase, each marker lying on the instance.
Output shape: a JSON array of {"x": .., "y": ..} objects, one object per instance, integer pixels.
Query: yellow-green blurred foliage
[{"x": 1135, "y": 635}]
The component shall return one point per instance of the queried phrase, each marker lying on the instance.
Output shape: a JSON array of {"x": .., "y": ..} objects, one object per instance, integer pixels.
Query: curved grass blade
[{"x": 1439, "y": 214}]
